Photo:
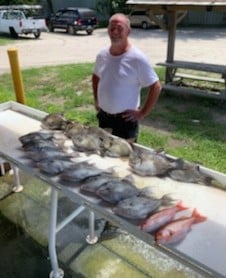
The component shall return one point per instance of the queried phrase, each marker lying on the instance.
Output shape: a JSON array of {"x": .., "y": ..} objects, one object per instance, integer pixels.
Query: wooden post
[
  {"x": 16, "y": 75},
  {"x": 172, "y": 26}
]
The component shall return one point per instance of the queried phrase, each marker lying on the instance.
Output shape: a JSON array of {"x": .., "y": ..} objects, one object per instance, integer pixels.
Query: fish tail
[
  {"x": 181, "y": 206},
  {"x": 197, "y": 216}
]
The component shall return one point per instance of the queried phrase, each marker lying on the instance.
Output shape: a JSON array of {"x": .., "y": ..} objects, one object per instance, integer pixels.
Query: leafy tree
[{"x": 106, "y": 7}]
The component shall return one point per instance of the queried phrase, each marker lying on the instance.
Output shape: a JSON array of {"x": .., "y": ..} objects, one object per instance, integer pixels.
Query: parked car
[
  {"x": 141, "y": 18},
  {"x": 73, "y": 19},
  {"x": 14, "y": 22}
]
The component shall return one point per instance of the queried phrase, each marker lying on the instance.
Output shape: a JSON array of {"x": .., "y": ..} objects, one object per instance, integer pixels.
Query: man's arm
[
  {"x": 152, "y": 98},
  {"x": 95, "y": 81}
]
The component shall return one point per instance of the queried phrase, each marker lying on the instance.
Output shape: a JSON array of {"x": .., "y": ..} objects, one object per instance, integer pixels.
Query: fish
[
  {"x": 40, "y": 145},
  {"x": 42, "y": 137},
  {"x": 89, "y": 139},
  {"x": 34, "y": 137},
  {"x": 140, "y": 207},
  {"x": 54, "y": 167},
  {"x": 176, "y": 231},
  {"x": 81, "y": 171},
  {"x": 192, "y": 173},
  {"x": 115, "y": 147},
  {"x": 161, "y": 217},
  {"x": 86, "y": 142},
  {"x": 147, "y": 163},
  {"x": 54, "y": 121},
  {"x": 73, "y": 128},
  {"x": 51, "y": 154},
  {"x": 115, "y": 190},
  {"x": 91, "y": 184}
]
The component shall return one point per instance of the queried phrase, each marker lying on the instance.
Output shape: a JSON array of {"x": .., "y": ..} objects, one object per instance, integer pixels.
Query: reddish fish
[
  {"x": 160, "y": 218},
  {"x": 176, "y": 230}
]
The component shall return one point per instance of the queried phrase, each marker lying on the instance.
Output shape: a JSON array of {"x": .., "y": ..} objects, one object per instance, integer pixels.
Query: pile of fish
[
  {"x": 169, "y": 229},
  {"x": 120, "y": 192},
  {"x": 88, "y": 139},
  {"x": 46, "y": 149}
]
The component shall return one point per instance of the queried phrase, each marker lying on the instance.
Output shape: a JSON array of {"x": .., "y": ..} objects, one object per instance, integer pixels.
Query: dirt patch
[{"x": 50, "y": 99}]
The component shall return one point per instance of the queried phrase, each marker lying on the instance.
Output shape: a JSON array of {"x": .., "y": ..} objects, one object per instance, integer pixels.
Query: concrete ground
[{"x": 192, "y": 44}]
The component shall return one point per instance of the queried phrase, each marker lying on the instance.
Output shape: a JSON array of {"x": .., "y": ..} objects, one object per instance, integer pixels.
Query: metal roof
[{"x": 183, "y": 4}]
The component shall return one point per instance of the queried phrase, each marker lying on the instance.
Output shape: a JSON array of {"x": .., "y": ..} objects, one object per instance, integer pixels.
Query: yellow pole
[{"x": 16, "y": 75}]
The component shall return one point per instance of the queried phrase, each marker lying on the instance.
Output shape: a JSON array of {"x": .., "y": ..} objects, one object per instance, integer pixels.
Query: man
[{"x": 120, "y": 72}]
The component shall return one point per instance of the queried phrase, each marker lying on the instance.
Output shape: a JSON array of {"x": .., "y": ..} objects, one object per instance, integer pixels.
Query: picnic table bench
[{"x": 173, "y": 81}]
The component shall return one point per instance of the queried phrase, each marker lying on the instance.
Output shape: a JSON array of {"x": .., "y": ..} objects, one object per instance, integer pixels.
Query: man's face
[{"x": 118, "y": 31}]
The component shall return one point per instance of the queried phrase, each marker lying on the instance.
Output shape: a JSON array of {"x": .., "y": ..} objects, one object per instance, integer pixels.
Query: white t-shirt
[{"x": 121, "y": 79}]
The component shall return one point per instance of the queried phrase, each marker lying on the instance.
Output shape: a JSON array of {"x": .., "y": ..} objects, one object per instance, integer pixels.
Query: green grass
[
  {"x": 5, "y": 39},
  {"x": 184, "y": 126}
]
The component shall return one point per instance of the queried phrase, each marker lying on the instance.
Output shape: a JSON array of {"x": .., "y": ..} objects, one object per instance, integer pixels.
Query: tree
[{"x": 106, "y": 7}]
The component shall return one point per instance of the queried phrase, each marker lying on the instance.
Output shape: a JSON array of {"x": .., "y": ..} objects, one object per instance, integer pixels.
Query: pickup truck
[{"x": 15, "y": 23}]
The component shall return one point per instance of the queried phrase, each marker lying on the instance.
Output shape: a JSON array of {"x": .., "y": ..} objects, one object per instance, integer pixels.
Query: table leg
[
  {"x": 92, "y": 238},
  {"x": 17, "y": 186},
  {"x": 2, "y": 168},
  {"x": 56, "y": 271}
]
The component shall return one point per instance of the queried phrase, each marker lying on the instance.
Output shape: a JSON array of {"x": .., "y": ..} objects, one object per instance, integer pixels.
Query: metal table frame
[{"x": 55, "y": 228}]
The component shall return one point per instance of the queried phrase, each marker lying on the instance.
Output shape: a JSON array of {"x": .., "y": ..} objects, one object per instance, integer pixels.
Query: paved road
[{"x": 200, "y": 45}]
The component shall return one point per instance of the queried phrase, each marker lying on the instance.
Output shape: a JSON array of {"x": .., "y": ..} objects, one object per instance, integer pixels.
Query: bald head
[{"x": 121, "y": 18}]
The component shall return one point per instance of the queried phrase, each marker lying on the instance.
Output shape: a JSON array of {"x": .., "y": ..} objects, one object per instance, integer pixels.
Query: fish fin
[
  {"x": 129, "y": 178},
  {"x": 198, "y": 217},
  {"x": 168, "y": 199},
  {"x": 147, "y": 191},
  {"x": 208, "y": 180},
  {"x": 179, "y": 163}
]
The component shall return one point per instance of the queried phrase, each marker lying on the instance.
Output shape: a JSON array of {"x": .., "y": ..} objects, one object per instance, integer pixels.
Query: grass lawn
[{"x": 184, "y": 126}]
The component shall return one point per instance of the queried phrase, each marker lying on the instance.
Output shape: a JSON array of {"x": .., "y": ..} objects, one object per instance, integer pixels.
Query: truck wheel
[
  {"x": 71, "y": 30},
  {"x": 13, "y": 33},
  {"x": 37, "y": 34},
  {"x": 89, "y": 32},
  {"x": 144, "y": 25},
  {"x": 50, "y": 27}
]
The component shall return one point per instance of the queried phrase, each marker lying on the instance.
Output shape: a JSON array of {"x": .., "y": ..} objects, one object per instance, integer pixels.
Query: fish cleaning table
[{"x": 204, "y": 248}]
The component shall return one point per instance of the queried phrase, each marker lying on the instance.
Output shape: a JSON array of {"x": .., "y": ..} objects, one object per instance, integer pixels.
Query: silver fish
[
  {"x": 116, "y": 190},
  {"x": 37, "y": 156},
  {"x": 41, "y": 145},
  {"x": 189, "y": 173},
  {"x": 35, "y": 136},
  {"x": 81, "y": 171},
  {"x": 147, "y": 163},
  {"x": 54, "y": 167},
  {"x": 139, "y": 207},
  {"x": 91, "y": 184},
  {"x": 54, "y": 121}
]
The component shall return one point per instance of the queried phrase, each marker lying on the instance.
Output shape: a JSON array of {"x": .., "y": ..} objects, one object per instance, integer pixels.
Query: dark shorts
[{"x": 119, "y": 127}]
